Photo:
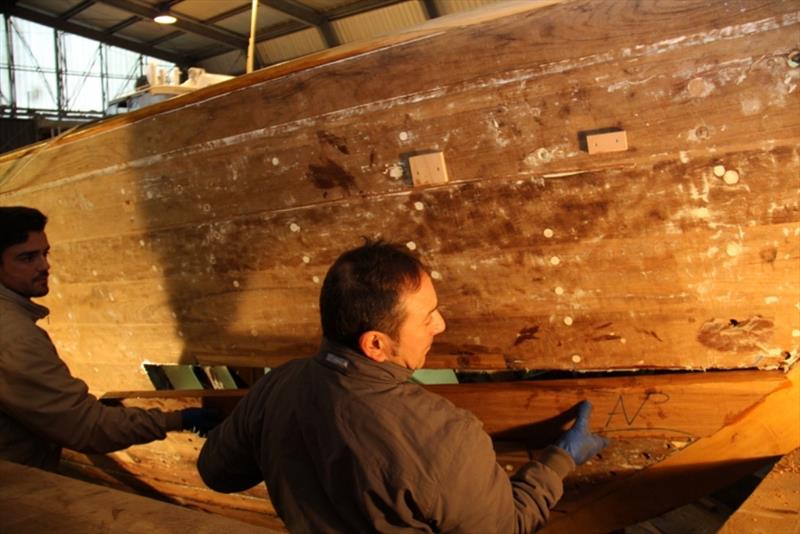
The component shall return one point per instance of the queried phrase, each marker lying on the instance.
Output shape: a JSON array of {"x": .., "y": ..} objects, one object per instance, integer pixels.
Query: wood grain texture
[
  {"x": 166, "y": 471},
  {"x": 668, "y": 407},
  {"x": 35, "y": 501},
  {"x": 201, "y": 229},
  {"x": 774, "y": 506},
  {"x": 768, "y": 429}
]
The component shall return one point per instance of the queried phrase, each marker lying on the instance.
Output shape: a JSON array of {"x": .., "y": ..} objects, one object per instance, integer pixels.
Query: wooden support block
[
  {"x": 428, "y": 169},
  {"x": 607, "y": 142}
]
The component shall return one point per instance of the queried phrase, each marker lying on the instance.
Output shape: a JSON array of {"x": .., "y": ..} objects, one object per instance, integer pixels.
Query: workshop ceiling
[{"x": 214, "y": 34}]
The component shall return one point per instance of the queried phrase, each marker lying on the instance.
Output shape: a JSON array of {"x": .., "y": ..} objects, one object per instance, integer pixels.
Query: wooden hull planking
[{"x": 199, "y": 230}]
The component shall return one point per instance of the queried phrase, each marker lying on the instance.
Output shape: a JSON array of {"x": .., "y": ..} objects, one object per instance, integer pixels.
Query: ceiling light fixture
[{"x": 164, "y": 16}]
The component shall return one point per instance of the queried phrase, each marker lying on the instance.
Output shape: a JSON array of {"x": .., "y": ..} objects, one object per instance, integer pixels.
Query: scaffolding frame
[{"x": 68, "y": 81}]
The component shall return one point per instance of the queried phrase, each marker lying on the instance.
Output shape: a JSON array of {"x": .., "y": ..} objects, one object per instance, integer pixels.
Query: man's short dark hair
[
  {"x": 16, "y": 222},
  {"x": 362, "y": 291}
]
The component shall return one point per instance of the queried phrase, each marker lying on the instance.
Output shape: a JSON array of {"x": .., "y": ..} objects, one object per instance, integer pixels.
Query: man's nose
[{"x": 440, "y": 325}]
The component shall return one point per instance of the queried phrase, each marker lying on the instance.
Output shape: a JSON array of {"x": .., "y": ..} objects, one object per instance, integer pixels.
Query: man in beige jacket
[{"x": 42, "y": 406}]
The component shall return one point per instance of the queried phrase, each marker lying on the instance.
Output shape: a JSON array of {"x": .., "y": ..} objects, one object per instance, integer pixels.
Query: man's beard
[{"x": 40, "y": 281}]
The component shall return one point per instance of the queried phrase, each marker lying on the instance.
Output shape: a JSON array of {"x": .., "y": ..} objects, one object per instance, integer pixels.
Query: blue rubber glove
[
  {"x": 200, "y": 420},
  {"x": 577, "y": 441}
]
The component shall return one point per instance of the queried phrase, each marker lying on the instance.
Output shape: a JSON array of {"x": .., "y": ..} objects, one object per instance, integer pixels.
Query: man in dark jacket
[
  {"x": 346, "y": 443},
  {"x": 42, "y": 406}
]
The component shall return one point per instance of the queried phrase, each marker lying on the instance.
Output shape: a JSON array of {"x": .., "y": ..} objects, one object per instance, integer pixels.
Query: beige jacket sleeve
[{"x": 37, "y": 390}]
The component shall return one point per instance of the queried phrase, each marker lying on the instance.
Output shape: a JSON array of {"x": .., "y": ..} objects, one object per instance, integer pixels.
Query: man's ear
[{"x": 374, "y": 345}]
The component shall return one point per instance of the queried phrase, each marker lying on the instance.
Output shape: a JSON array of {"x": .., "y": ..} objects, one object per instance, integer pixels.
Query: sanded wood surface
[
  {"x": 33, "y": 501},
  {"x": 774, "y": 506},
  {"x": 203, "y": 231}
]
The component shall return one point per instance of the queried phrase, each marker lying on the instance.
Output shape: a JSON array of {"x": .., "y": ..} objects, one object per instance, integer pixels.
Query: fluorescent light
[{"x": 165, "y": 18}]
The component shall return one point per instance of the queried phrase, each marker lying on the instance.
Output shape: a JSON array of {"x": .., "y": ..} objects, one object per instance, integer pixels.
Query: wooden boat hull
[{"x": 199, "y": 230}]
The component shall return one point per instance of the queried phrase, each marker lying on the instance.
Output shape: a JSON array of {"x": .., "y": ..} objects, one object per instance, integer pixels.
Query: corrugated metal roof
[
  {"x": 293, "y": 45},
  {"x": 448, "y": 7},
  {"x": 214, "y": 33},
  {"x": 380, "y": 21}
]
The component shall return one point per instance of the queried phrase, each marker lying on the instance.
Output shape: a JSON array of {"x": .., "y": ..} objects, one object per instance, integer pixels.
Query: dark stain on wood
[
  {"x": 768, "y": 254},
  {"x": 329, "y": 175},
  {"x": 526, "y": 334},
  {"x": 587, "y": 210},
  {"x": 607, "y": 337},
  {"x": 333, "y": 140},
  {"x": 468, "y": 290},
  {"x": 466, "y": 360},
  {"x": 736, "y": 336},
  {"x": 650, "y": 333},
  {"x": 470, "y": 356},
  {"x": 702, "y": 133}
]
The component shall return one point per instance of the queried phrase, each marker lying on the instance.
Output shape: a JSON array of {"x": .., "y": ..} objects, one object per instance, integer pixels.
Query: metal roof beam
[
  {"x": 279, "y": 31},
  {"x": 165, "y": 38},
  {"x": 360, "y": 7},
  {"x": 265, "y": 35},
  {"x": 63, "y": 25},
  {"x": 122, "y": 25},
  {"x": 299, "y": 24},
  {"x": 184, "y": 23},
  {"x": 309, "y": 16},
  {"x": 213, "y": 20},
  {"x": 296, "y": 11},
  {"x": 170, "y": 35},
  {"x": 431, "y": 9},
  {"x": 83, "y": 6},
  {"x": 228, "y": 14}
]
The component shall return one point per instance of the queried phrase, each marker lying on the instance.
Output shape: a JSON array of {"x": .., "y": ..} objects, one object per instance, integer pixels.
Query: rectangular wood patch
[
  {"x": 607, "y": 142},
  {"x": 428, "y": 169}
]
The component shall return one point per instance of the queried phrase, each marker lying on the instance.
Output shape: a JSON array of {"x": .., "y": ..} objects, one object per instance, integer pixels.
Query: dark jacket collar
[
  {"x": 347, "y": 361},
  {"x": 35, "y": 311}
]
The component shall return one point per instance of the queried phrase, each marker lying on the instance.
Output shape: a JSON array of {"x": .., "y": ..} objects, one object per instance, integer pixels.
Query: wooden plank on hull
[
  {"x": 770, "y": 428},
  {"x": 669, "y": 406}
]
